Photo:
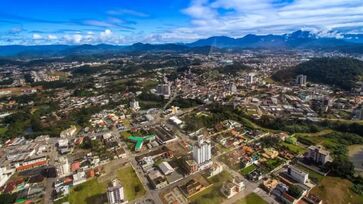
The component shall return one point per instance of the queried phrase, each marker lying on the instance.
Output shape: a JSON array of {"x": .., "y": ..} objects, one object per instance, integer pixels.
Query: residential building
[
  {"x": 232, "y": 88},
  {"x": 318, "y": 154},
  {"x": 5, "y": 175},
  {"x": 231, "y": 188},
  {"x": 64, "y": 167},
  {"x": 115, "y": 193},
  {"x": 190, "y": 166},
  {"x": 156, "y": 179},
  {"x": 166, "y": 168},
  {"x": 134, "y": 105},
  {"x": 301, "y": 80},
  {"x": 202, "y": 151},
  {"x": 70, "y": 132},
  {"x": 164, "y": 90},
  {"x": 297, "y": 174},
  {"x": 192, "y": 187},
  {"x": 250, "y": 78},
  {"x": 216, "y": 169}
]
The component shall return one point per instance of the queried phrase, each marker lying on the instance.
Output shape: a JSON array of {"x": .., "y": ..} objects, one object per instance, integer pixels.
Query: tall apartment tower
[
  {"x": 251, "y": 78},
  {"x": 301, "y": 80},
  {"x": 202, "y": 151},
  {"x": 115, "y": 193}
]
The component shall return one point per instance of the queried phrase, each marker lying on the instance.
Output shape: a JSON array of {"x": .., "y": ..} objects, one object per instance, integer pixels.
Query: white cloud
[
  {"x": 235, "y": 18},
  {"x": 239, "y": 17},
  {"x": 37, "y": 36},
  {"x": 52, "y": 37},
  {"x": 106, "y": 34},
  {"x": 73, "y": 39},
  {"x": 127, "y": 12}
]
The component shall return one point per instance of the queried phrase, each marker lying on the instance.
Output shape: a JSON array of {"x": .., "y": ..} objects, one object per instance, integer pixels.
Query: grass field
[
  {"x": 319, "y": 138},
  {"x": 251, "y": 198},
  {"x": 149, "y": 84},
  {"x": 320, "y": 133},
  {"x": 212, "y": 195},
  {"x": 133, "y": 188},
  {"x": 294, "y": 148},
  {"x": 335, "y": 190},
  {"x": 2, "y": 130},
  {"x": 93, "y": 191},
  {"x": 89, "y": 192}
]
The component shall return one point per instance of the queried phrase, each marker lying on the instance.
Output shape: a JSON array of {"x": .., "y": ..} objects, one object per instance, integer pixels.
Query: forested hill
[{"x": 342, "y": 72}]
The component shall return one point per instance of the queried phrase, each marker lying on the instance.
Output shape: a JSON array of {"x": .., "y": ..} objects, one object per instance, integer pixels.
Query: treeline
[
  {"x": 300, "y": 126},
  {"x": 342, "y": 72},
  {"x": 234, "y": 68}
]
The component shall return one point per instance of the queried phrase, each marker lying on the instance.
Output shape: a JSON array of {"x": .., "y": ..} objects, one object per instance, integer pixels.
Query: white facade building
[
  {"x": 64, "y": 167},
  {"x": 164, "y": 89},
  {"x": 115, "y": 193},
  {"x": 5, "y": 175},
  {"x": 301, "y": 80},
  {"x": 202, "y": 151},
  {"x": 135, "y": 105},
  {"x": 251, "y": 78},
  {"x": 297, "y": 174}
]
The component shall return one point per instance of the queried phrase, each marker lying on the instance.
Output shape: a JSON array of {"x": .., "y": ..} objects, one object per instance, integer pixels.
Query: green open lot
[
  {"x": 88, "y": 192},
  {"x": 294, "y": 148},
  {"x": 248, "y": 169},
  {"x": 251, "y": 198},
  {"x": 149, "y": 84},
  {"x": 270, "y": 165},
  {"x": 2, "y": 130},
  {"x": 133, "y": 188},
  {"x": 334, "y": 190},
  {"x": 212, "y": 195},
  {"x": 93, "y": 191}
]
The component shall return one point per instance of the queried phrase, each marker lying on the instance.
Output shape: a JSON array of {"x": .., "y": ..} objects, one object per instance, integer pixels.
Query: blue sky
[{"x": 32, "y": 22}]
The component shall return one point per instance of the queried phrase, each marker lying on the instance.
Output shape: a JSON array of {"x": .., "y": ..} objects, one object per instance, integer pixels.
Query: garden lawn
[
  {"x": 248, "y": 169},
  {"x": 251, "y": 198}
]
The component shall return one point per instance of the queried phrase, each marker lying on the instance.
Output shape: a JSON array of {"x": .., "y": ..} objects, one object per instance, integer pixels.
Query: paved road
[{"x": 49, "y": 181}]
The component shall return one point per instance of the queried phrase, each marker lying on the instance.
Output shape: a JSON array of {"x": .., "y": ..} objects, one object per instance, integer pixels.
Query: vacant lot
[
  {"x": 294, "y": 148},
  {"x": 88, "y": 192},
  {"x": 252, "y": 198},
  {"x": 131, "y": 183},
  {"x": 94, "y": 190},
  {"x": 212, "y": 195},
  {"x": 356, "y": 157},
  {"x": 338, "y": 187}
]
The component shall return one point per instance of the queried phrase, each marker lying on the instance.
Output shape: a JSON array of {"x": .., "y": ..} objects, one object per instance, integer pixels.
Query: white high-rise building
[
  {"x": 115, "y": 193},
  {"x": 250, "y": 78},
  {"x": 232, "y": 88},
  {"x": 202, "y": 151},
  {"x": 135, "y": 105},
  {"x": 301, "y": 80},
  {"x": 164, "y": 89}
]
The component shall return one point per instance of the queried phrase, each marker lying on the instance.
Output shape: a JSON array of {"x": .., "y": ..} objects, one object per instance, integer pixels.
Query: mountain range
[{"x": 296, "y": 40}]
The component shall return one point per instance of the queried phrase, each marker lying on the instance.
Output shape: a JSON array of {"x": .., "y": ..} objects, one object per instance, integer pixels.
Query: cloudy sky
[{"x": 34, "y": 22}]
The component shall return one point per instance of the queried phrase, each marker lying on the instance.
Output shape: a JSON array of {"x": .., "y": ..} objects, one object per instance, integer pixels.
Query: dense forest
[{"x": 341, "y": 72}]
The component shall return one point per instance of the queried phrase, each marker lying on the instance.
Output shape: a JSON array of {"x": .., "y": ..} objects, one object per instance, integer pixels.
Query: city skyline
[{"x": 161, "y": 21}]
